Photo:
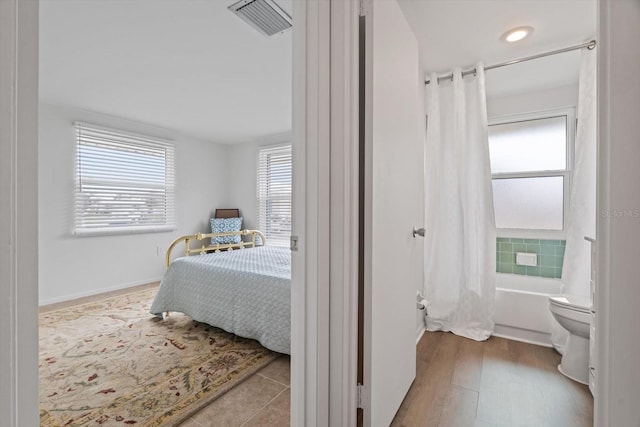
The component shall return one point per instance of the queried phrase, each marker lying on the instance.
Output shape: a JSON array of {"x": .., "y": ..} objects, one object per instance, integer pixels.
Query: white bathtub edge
[
  {"x": 523, "y": 335},
  {"x": 522, "y": 308},
  {"x": 534, "y": 284}
]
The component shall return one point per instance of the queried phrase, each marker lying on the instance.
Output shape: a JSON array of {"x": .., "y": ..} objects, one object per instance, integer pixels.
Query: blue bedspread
[{"x": 246, "y": 292}]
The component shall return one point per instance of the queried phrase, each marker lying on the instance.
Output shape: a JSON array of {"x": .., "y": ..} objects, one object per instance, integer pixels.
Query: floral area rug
[{"x": 111, "y": 363}]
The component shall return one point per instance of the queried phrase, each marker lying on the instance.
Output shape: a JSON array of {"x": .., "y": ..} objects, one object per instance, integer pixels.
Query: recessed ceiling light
[{"x": 516, "y": 34}]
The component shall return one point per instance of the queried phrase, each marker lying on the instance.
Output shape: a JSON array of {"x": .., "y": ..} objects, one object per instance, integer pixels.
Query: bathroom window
[{"x": 531, "y": 159}]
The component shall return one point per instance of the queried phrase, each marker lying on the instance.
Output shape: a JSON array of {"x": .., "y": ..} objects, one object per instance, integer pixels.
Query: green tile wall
[{"x": 550, "y": 256}]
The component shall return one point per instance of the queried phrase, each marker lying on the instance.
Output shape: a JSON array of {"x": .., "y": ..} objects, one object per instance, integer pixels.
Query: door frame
[
  {"x": 309, "y": 264},
  {"x": 617, "y": 346},
  {"x": 19, "y": 212},
  {"x": 325, "y": 117},
  {"x": 344, "y": 215}
]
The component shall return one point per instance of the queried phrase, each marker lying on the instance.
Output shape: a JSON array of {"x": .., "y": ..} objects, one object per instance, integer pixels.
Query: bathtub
[{"x": 522, "y": 308}]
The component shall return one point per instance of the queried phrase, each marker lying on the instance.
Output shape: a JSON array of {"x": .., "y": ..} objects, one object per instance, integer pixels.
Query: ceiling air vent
[{"x": 263, "y": 15}]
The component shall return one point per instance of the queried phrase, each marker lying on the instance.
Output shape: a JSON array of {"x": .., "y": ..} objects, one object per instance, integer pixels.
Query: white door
[{"x": 394, "y": 204}]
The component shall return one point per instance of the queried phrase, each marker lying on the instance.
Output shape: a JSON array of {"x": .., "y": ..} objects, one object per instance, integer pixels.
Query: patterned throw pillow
[{"x": 225, "y": 225}]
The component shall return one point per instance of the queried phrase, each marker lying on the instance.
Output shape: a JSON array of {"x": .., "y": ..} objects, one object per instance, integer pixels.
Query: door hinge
[
  {"x": 359, "y": 389},
  {"x": 293, "y": 243},
  {"x": 364, "y": 7}
]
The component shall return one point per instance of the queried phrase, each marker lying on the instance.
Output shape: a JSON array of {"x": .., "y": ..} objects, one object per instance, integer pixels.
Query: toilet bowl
[{"x": 573, "y": 313}]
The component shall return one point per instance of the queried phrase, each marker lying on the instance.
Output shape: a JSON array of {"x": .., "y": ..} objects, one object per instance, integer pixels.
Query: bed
[{"x": 243, "y": 288}]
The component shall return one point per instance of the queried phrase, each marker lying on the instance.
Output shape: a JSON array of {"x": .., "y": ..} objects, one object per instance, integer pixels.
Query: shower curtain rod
[{"x": 590, "y": 45}]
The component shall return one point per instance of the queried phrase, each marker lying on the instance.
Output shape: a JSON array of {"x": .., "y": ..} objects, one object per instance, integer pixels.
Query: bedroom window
[
  {"x": 274, "y": 193},
  {"x": 124, "y": 182},
  {"x": 531, "y": 167}
]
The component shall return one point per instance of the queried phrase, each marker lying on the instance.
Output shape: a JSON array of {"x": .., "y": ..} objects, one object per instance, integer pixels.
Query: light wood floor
[
  {"x": 461, "y": 382},
  {"x": 260, "y": 400}
]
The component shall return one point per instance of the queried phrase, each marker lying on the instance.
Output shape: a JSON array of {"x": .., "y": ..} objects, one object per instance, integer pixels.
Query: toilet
[{"x": 573, "y": 313}]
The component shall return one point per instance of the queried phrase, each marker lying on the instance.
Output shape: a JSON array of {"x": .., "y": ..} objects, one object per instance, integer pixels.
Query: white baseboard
[
  {"x": 523, "y": 335},
  {"x": 92, "y": 292}
]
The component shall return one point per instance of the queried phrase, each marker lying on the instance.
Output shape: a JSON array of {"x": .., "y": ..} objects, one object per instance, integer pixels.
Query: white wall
[
  {"x": 71, "y": 266},
  {"x": 550, "y": 99},
  {"x": 242, "y": 163}
]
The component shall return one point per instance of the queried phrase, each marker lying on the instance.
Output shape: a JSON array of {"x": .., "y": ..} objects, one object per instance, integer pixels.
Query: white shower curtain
[
  {"x": 582, "y": 212},
  {"x": 460, "y": 246}
]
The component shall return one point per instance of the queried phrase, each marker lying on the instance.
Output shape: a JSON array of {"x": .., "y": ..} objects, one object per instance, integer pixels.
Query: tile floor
[{"x": 261, "y": 400}]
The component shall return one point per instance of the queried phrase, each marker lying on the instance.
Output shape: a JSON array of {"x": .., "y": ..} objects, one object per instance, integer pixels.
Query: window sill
[{"x": 114, "y": 231}]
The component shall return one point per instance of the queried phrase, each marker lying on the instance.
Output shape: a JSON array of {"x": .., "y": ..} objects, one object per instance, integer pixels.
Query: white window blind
[
  {"x": 124, "y": 182},
  {"x": 274, "y": 193}
]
